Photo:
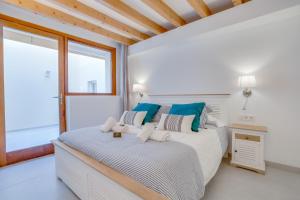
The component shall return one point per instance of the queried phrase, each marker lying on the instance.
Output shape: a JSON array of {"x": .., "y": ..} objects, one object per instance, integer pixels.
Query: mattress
[
  {"x": 210, "y": 144},
  {"x": 170, "y": 168},
  {"x": 179, "y": 168}
]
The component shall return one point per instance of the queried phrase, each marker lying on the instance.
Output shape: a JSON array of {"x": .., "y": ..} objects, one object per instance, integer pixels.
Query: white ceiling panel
[
  {"x": 183, "y": 9},
  {"x": 70, "y": 11},
  {"x": 218, "y": 5},
  {"x": 98, "y": 5},
  {"x": 148, "y": 12}
]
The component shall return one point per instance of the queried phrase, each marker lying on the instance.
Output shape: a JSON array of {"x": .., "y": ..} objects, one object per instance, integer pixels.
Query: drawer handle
[{"x": 235, "y": 151}]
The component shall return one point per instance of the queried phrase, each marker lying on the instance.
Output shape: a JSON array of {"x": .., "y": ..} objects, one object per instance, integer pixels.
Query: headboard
[{"x": 217, "y": 102}]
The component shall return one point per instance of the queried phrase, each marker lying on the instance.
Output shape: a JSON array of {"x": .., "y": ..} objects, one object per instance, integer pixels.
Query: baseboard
[
  {"x": 36, "y": 127},
  {"x": 275, "y": 165},
  {"x": 283, "y": 167}
]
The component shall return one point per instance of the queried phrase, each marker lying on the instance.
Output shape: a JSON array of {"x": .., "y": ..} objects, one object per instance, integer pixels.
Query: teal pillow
[
  {"x": 150, "y": 108},
  {"x": 189, "y": 109}
]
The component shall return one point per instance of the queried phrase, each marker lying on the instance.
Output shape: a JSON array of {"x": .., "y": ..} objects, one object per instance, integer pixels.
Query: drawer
[
  {"x": 102, "y": 188},
  {"x": 70, "y": 170},
  {"x": 253, "y": 138}
]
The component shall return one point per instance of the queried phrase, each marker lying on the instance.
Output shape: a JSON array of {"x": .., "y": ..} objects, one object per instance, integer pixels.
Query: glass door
[{"x": 33, "y": 100}]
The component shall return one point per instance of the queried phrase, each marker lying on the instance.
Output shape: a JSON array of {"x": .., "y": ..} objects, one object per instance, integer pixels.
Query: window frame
[
  {"x": 97, "y": 46},
  {"x": 5, "y": 20}
]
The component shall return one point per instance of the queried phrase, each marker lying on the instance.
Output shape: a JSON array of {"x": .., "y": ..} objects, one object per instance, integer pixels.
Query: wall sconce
[
  {"x": 138, "y": 88},
  {"x": 247, "y": 82}
]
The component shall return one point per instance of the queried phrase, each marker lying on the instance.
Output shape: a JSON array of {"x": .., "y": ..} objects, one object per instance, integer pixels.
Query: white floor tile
[
  {"x": 36, "y": 180},
  {"x": 22, "y": 139}
]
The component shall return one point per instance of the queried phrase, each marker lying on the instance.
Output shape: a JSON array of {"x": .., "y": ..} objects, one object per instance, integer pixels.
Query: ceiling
[{"x": 127, "y": 21}]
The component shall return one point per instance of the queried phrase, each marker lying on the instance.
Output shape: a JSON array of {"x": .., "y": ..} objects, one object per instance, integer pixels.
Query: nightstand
[{"x": 248, "y": 147}]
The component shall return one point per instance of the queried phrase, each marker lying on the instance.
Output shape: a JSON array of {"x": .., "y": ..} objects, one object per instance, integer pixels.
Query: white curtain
[{"x": 124, "y": 77}]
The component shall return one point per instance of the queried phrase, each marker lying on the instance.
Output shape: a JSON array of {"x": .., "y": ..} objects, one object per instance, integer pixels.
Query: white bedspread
[{"x": 208, "y": 148}]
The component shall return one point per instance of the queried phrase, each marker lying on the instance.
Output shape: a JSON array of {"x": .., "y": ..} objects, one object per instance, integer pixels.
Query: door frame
[
  {"x": 7, "y": 158},
  {"x": 38, "y": 151}
]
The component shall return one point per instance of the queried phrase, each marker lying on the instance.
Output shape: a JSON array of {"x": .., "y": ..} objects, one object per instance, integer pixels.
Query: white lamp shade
[
  {"x": 247, "y": 81},
  {"x": 138, "y": 88}
]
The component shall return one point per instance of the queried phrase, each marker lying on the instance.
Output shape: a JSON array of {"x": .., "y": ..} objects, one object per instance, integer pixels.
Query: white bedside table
[{"x": 248, "y": 147}]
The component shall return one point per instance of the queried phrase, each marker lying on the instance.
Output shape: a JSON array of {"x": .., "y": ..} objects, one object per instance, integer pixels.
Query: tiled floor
[
  {"x": 22, "y": 139},
  {"x": 36, "y": 180}
]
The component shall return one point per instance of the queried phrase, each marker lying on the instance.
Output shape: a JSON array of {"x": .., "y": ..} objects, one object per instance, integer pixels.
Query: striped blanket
[{"x": 169, "y": 168}]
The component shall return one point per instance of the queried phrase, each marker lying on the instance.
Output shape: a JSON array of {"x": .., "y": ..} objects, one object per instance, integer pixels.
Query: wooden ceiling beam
[
  {"x": 200, "y": 7},
  {"x": 91, "y": 12},
  {"x": 132, "y": 14},
  {"x": 66, "y": 18},
  {"x": 237, "y": 2},
  {"x": 166, "y": 12}
]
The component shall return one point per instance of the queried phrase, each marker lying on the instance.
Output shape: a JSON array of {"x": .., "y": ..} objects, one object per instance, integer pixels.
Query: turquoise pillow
[
  {"x": 189, "y": 109},
  {"x": 150, "y": 108}
]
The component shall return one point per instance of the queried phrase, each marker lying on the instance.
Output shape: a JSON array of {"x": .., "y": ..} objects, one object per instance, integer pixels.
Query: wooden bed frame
[{"x": 92, "y": 180}]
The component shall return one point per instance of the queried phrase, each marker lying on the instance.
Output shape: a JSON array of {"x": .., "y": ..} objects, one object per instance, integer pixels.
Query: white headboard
[{"x": 217, "y": 102}]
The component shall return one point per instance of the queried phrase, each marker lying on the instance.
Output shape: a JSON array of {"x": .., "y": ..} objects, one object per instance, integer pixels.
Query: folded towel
[
  {"x": 108, "y": 125},
  {"x": 120, "y": 128},
  {"x": 145, "y": 132},
  {"x": 160, "y": 136}
]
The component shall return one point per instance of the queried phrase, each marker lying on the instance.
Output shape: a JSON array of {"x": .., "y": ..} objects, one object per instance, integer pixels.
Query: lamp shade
[
  {"x": 247, "y": 81},
  {"x": 138, "y": 88}
]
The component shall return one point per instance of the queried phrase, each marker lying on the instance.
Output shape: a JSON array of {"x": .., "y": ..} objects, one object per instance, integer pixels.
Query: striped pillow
[
  {"x": 178, "y": 123},
  {"x": 133, "y": 118},
  {"x": 203, "y": 118},
  {"x": 164, "y": 109}
]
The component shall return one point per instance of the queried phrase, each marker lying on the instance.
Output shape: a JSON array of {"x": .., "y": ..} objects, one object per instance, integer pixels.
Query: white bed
[
  {"x": 91, "y": 180},
  {"x": 208, "y": 147}
]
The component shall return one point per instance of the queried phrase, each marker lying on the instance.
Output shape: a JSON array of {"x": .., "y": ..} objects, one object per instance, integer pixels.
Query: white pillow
[
  {"x": 160, "y": 136},
  {"x": 211, "y": 120},
  {"x": 108, "y": 125},
  {"x": 164, "y": 109},
  {"x": 133, "y": 118},
  {"x": 146, "y": 132},
  {"x": 177, "y": 123}
]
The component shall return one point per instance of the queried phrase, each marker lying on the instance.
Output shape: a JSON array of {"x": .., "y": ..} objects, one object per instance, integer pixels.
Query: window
[{"x": 89, "y": 69}]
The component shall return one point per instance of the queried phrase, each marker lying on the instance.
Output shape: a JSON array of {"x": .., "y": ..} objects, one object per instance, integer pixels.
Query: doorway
[{"x": 32, "y": 92}]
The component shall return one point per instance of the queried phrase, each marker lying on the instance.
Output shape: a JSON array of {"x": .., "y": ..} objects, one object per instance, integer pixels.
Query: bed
[{"x": 97, "y": 166}]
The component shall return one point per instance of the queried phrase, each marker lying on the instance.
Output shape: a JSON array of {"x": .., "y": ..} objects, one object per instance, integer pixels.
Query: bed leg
[{"x": 226, "y": 155}]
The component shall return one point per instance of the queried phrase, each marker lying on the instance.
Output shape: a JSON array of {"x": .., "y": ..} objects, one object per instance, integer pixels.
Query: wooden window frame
[
  {"x": 7, "y": 19},
  {"x": 97, "y": 46},
  {"x": 33, "y": 152}
]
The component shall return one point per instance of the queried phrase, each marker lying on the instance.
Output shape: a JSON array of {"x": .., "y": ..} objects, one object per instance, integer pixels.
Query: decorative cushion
[
  {"x": 203, "y": 118},
  {"x": 178, "y": 123},
  {"x": 150, "y": 108},
  {"x": 108, "y": 125},
  {"x": 189, "y": 109},
  {"x": 211, "y": 120},
  {"x": 209, "y": 108},
  {"x": 164, "y": 109},
  {"x": 133, "y": 118},
  {"x": 146, "y": 132}
]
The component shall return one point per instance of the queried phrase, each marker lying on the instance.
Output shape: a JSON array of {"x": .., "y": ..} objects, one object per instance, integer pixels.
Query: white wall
[
  {"x": 84, "y": 111},
  {"x": 267, "y": 47},
  {"x": 83, "y": 69}
]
